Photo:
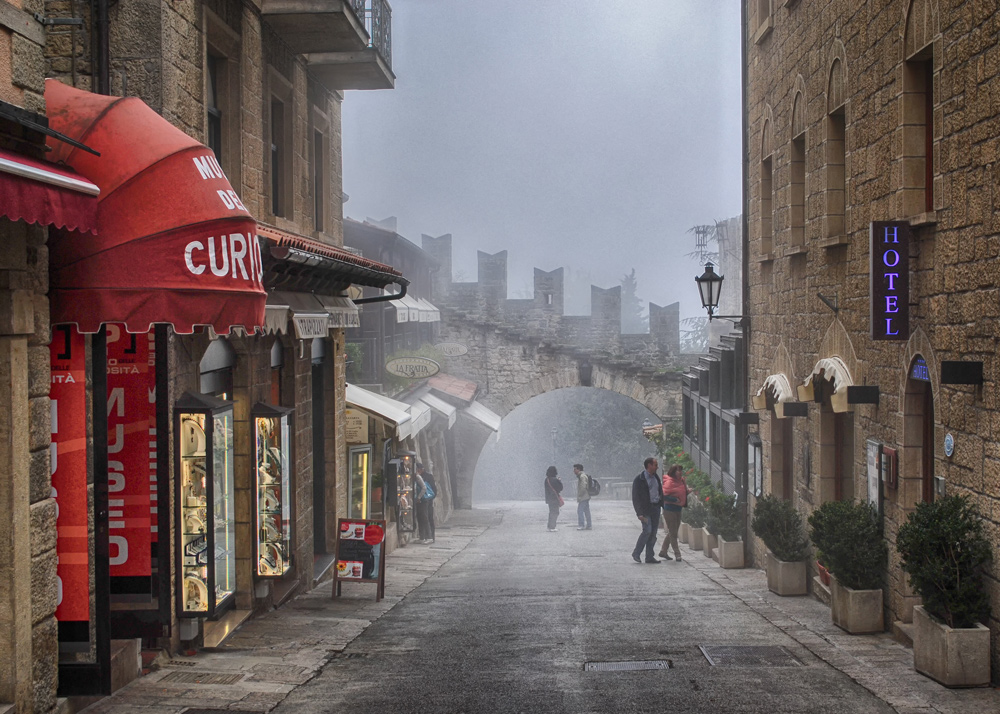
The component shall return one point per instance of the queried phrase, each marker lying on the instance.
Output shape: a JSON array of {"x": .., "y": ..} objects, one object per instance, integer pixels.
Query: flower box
[
  {"x": 731, "y": 553},
  {"x": 709, "y": 542},
  {"x": 856, "y": 611},
  {"x": 682, "y": 533},
  {"x": 695, "y": 535},
  {"x": 784, "y": 577},
  {"x": 953, "y": 656}
]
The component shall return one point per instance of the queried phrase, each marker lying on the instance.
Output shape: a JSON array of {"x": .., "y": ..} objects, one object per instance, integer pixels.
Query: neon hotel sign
[{"x": 890, "y": 280}]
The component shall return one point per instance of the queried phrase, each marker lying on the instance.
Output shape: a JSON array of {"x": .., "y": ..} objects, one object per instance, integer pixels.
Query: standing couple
[{"x": 650, "y": 494}]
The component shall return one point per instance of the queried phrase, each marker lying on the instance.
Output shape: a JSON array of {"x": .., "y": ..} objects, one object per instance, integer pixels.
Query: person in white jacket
[{"x": 582, "y": 497}]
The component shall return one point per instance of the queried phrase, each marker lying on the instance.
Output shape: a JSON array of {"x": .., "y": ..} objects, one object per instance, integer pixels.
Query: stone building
[
  {"x": 859, "y": 113},
  {"x": 203, "y": 291}
]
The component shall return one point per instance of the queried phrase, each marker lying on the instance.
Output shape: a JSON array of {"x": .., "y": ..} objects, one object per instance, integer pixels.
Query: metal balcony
[
  {"x": 318, "y": 25},
  {"x": 368, "y": 67}
]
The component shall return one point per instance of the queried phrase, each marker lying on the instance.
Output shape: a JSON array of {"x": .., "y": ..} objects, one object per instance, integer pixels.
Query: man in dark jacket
[{"x": 647, "y": 494}]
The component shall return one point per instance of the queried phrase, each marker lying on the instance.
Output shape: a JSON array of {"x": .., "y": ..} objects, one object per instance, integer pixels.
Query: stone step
[
  {"x": 821, "y": 591},
  {"x": 902, "y": 632}
]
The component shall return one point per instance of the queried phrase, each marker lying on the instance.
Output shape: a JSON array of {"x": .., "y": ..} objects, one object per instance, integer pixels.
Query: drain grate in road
[
  {"x": 202, "y": 678},
  {"x": 749, "y": 656},
  {"x": 628, "y": 666}
]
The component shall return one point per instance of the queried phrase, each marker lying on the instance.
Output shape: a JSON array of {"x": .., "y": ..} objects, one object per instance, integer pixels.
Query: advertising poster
[
  {"x": 359, "y": 549},
  {"x": 68, "y": 464},
  {"x": 132, "y": 458}
]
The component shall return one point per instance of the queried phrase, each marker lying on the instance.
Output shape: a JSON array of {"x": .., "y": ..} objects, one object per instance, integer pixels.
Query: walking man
[
  {"x": 582, "y": 497},
  {"x": 647, "y": 494}
]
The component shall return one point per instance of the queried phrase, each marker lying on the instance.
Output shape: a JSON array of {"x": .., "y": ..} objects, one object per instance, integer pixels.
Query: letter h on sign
[{"x": 890, "y": 280}]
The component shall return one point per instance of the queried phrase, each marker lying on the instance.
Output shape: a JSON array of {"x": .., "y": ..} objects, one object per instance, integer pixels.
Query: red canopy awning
[
  {"x": 37, "y": 191},
  {"x": 174, "y": 243}
]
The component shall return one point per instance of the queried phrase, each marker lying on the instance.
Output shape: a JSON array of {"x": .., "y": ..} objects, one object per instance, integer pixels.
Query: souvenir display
[
  {"x": 205, "y": 500},
  {"x": 271, "y": 441}
]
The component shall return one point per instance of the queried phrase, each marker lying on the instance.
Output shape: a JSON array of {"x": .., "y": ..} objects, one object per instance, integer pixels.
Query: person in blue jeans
[
  {"x": 647, "y": 495},
  {"x": 582, "y": 497}
]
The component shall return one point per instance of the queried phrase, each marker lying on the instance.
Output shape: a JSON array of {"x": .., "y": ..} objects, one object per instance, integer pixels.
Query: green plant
[
  {"x": 779, "y": 525},
  {"x": 355, "y": 355},
  {"x": 696, "y": 512},
  {"x": 725, "y": 518},
  {"x": 849, "y": 543},
  {"x": 944, "y": 551}
]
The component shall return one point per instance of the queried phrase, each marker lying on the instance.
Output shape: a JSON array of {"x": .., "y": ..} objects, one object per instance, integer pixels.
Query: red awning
[
  {"x": 174, "y": 243},
  {"x": 37, "y": 191}
]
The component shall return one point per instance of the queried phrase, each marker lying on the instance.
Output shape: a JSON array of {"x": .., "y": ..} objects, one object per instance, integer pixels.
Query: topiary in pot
[
  {"x": 944, "y": 552},
  {"x": 696, "y": 512},
  {"x": 779, "y": 525},
  {"x": 850, "y": 541},
  {"x": 724, "y": 517}
]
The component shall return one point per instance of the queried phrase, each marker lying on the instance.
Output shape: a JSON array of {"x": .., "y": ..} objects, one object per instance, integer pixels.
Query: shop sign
[
  {"x": 309, "y": 327},
  {"x": 356, "y": 426},
  {"x": 68, "y": 466},
  {"x": 451, "y": 349},
  {"x": 132, "y": 457},
  {"x": 412, "y": 367},
  {"x": 890, "y": 280}
]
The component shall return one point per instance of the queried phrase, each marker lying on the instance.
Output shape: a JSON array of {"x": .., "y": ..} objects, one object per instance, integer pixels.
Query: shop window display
[
  {"x": 406, "y": 516},
  {"x": 203, "y": 429},
  {"x": 272, "y": 443}
]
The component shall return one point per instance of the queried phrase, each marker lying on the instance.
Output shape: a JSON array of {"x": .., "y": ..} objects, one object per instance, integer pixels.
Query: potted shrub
[
  {"x": 709, "y": 537},
  {"x": 779, "y": 525},
  {"x": 683, "y": 531},
  {"x": 696, "y": 514},
  {"x": 944, "y": 551},
  {"x": 850, "y": 541},
  {"x": 725, "y": 520}
]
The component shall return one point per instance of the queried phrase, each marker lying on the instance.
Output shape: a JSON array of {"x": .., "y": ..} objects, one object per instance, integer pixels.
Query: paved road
[{"x": 509, "y": 622}]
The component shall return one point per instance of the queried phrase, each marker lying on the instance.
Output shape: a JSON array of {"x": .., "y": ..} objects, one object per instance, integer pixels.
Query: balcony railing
[{"x": 378, "y": 23}]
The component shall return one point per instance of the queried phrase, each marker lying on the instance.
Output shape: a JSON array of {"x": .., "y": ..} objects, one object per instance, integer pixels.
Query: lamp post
[{"x": 554, "y": 432}]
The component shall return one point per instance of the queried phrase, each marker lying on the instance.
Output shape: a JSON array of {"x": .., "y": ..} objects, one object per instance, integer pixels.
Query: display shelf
[{"x": 271, "y": 427}]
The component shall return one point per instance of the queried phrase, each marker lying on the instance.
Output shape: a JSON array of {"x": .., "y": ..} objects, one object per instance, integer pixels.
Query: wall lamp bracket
[{"x": 832, "y": 304}]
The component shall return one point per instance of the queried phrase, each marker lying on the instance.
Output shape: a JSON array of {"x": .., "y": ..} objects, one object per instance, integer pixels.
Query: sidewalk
[
  {"x": 876, "y": 662},
  {"x": 268, "y": 657}
]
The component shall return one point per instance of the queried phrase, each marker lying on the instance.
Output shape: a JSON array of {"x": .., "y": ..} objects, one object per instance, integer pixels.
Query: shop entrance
[{"x": 918, "y": 429}]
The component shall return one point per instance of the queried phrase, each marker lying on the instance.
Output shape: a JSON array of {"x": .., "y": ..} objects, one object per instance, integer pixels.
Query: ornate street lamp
[{"x": 710, "y": 289}]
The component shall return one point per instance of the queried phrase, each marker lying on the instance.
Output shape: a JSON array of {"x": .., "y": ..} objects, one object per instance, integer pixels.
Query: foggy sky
[{"x": 585, "y": 134}]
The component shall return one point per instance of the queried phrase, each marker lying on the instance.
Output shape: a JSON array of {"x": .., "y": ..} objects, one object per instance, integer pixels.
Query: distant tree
[
  {"x": 694, "y": 335},
  {"x": 634, "y": 321}
]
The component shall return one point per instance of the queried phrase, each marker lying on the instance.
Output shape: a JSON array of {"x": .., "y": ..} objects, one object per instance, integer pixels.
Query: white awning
[
  {"x": 428, "y": 313},
  {"x": 382, "y": 408},
  {"x": 342, "y": 311},
  {"x": 309, "y": 317},
  {"x": 420, "y": 416},
  {"x": 402, "y": 307},
  {"x": 833, "y": 370},
  {"x": 442, "y": 408},
  {"x": 483, "y": 415},
  {"x": 780, "y": 391}
]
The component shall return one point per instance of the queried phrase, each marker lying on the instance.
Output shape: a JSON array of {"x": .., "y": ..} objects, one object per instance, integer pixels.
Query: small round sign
[{"x": 949, "y": 444}]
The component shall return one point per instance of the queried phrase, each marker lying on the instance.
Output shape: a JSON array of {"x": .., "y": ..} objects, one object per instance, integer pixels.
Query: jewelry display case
[
  {"x": 406, "y": 515},
  {"x": 206, "y": 525},
  {"x": 272, "y": 442}
]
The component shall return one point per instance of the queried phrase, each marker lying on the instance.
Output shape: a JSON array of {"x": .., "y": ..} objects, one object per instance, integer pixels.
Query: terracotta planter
[
  {"x": 824, "y": 574},
  {"x": 709, "y": 542},
  {"x": 856, "y": 611},
  {"x": 955, "y": 657},
  {"x": 731, "y": 553},
  {"x": 694, "y": 535},
  {"x": 785, "y": 578},
  {"x": 682, "y": 533}
]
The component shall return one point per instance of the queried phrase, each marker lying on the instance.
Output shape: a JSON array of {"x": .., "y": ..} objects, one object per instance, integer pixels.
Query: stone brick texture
[{"x": 953, "y": 262}]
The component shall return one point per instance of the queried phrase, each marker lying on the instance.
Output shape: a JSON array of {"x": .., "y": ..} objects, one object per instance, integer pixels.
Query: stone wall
[{"x": 846, "y": 63}]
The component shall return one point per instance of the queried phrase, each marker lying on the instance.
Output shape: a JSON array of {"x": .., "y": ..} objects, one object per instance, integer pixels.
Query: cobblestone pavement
[{"x": 268, "y": 657}]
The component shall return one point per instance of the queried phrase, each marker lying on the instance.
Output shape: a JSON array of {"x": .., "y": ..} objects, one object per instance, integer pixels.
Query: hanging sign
[
  {"x": 68, "y": 464},
  {"x": 890, "y": 280},
  {"x": 360, "y": 554},
  {"x": 412, "y": 367},
  {"x": 132, "y": 457},
  {"x": 451, "y": 349}
]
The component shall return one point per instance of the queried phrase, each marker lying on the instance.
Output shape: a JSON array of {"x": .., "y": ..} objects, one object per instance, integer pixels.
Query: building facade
[
  {"x": 179, "y": 361},
  {"x": 860, "y": 113}
]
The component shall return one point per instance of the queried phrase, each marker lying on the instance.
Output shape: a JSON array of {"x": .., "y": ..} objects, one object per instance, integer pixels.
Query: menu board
[{"x": 360, "y": 554}]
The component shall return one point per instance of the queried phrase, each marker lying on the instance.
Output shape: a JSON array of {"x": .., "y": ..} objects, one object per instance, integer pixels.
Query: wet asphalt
[{"x": 510, "y": 622}]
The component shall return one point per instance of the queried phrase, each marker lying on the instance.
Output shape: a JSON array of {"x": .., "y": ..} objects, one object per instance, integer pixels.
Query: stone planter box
[
  {"x": 955, "y": 657},
  {"x": 694, "y": 536},
  {"x": 856, "y": 611},
  {"x": 731, "y": 553},
  {"x": 682, "y": 533},
  {"x": 709, "y": 542},
  {"x": 785, "y": 578}
]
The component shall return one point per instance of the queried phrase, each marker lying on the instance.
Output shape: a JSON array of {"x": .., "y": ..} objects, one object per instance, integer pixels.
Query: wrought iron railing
[{"x": 378, "y": 23}]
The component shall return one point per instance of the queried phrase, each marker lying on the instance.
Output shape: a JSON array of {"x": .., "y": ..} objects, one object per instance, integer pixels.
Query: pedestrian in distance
[
  {"x": 430, "y": 493},
  {"x": 420, "y": 507},
  {"x": 582, "y": 497},
  {"x": 675, "y": 493},
  {"x": 647, "y": 493},
  {"x": 553, "y": 486}
]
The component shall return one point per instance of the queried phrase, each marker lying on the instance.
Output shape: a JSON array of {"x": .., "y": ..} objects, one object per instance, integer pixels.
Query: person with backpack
[
  {"x": 582, "y": 497},
  {"x": 426, "y": 504},
  {"x": 422, "y": 495},
  {"x": 552, "y": 488}
]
